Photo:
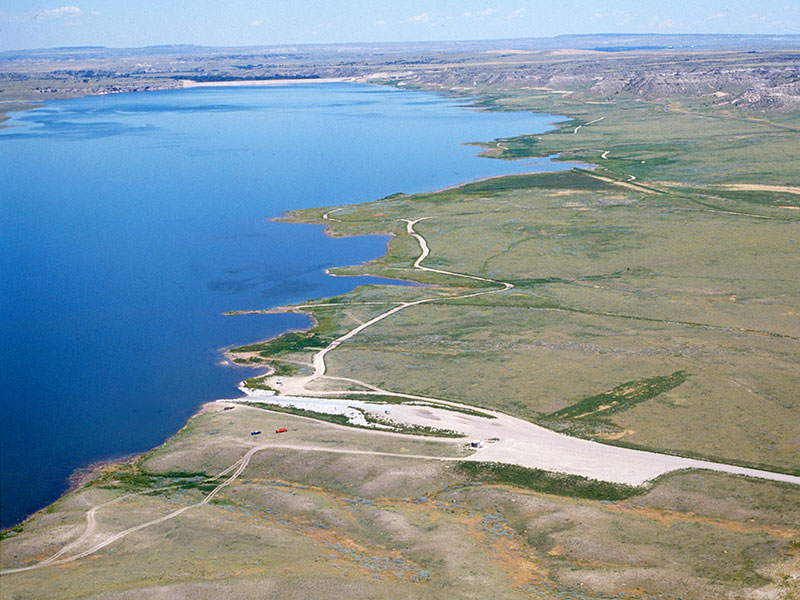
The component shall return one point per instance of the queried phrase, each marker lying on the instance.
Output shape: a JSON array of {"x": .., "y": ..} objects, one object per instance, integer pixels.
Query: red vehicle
[{"x": 281, "y": 430}]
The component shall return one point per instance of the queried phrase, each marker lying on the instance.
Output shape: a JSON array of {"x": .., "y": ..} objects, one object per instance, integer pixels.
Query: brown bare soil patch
[
  {"x": 757, "y": 187},
  {"x": 671, "y": 517}
]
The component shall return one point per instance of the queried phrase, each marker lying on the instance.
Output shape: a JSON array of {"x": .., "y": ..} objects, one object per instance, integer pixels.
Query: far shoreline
[{"x": 190, "y": 83}]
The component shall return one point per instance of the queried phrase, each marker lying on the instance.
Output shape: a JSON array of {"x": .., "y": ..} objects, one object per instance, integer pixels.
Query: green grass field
[
  {"x": 655, "y": 305},
  {"x": 308, "y": 523},
  {"x": 613, "y": 285}
]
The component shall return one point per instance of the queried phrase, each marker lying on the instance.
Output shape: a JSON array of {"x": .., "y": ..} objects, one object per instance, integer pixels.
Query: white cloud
[
  {"x": 380, "y": 22},
  {"x": 63, "y": 12},
  {"x": 58, "y": 13},
  {"x": 322, "y": 27},
  {"x": 479, "y": 15},
  {"x": 420, "y": 18},
  {"x": 257, "y": 23},
  {"x": 516, "y": 14},
  {"x": 790, "y": 26},
  {"x": 658, "y": 23},
  {"x": 716, "y": 16}
]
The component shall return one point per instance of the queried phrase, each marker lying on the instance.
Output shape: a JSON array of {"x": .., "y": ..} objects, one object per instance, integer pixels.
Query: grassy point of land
[{"x": 593, "y": 263}]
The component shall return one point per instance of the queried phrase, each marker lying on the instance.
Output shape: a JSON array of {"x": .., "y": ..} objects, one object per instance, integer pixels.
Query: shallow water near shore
[{"x": 131, "y": 222}]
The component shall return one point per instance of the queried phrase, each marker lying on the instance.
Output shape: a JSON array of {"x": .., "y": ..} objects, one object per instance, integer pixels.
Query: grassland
[
  {"x": 655, "y": 306},
  {"x": 612, "y": 285},
  {"x": 679, "y": 140},
  {"x": 302, "y": 524}
]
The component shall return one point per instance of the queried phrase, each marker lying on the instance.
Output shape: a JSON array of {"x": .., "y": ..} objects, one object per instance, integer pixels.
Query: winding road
[
  {"x": 589, "y": 123},
  {"x": 519, "y": 442},
  {"x": 301, "y": 385},
  {"x": 509, "y": 439}
]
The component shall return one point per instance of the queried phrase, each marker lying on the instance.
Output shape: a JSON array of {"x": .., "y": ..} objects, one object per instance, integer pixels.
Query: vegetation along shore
[{"x": 641, "y": 312}]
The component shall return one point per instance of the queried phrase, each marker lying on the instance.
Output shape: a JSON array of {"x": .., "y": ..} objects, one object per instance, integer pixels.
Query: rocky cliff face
[
  {"x": 759, "y": 81},
  {"x": 782, "y": 97},
  {"x": 772, "y": 84}
]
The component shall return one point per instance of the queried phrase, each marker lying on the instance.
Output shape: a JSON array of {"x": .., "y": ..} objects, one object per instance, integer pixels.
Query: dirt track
[
  {"x": 505, "y": 439},
  {"x": 238, "y": 468},
  {"x": 519, "y": 442}
]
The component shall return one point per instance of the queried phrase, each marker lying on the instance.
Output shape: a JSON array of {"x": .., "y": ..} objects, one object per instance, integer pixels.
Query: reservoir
[{"x": 131, "y": 222}]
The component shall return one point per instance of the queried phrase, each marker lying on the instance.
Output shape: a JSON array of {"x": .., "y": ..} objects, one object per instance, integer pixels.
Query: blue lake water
[{"x": 130, "y": 222}]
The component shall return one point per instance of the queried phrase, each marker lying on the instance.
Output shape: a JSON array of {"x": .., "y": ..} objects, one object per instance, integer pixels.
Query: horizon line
[{"x": 412, "y": 42}]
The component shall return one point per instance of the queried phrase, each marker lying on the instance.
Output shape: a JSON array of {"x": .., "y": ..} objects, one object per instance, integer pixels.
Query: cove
[{"x": 131, "y": 222}]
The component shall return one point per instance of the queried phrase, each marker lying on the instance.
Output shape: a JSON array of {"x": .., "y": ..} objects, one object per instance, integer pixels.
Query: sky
[{"x": 132, "y": 23}]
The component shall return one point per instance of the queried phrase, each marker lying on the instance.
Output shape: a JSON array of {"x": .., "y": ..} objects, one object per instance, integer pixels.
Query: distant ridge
[{"x": 600, "y": 41}]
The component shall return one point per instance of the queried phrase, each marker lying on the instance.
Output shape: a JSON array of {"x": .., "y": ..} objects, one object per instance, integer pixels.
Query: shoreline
[
  {"x": 12, "y": 106},
  {"x": 190, "y": 83},
  {"x": 76, "y": 480},
  {"x": 82, "y": 476}
]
